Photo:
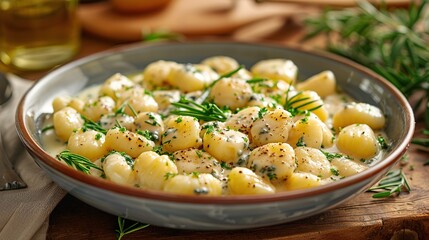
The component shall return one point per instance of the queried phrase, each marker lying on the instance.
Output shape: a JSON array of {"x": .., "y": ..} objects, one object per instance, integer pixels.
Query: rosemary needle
[
  {"x": 393, "y": 183},
  {"x": 205, "y": 111},
  {"x": 79, "y": 162}
]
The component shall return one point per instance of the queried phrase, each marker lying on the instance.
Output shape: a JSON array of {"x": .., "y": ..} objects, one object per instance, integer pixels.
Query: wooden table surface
[{"x": 402, "y": 217}]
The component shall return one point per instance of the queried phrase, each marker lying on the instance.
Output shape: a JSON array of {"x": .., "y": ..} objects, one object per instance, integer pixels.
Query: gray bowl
[{"x": 211, "y": 213}]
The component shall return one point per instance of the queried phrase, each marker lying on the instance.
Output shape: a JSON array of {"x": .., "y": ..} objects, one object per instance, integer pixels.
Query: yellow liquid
[{"x": 38, "y": 34}]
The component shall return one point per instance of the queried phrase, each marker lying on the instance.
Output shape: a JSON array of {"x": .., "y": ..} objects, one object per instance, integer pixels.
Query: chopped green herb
[
  {"x": 382, "y": 142},
  {"x": 301, "y": 142},
  {"x": 149, "y": 135},
  {"x": 335, "y": 172},
  {"x": 169, "y": 175},
  {"x": 178, "y": 120},
  {"x": 262, "y": 112},
  {"x": 330, "y": 156},
  {"x": 225, "y": 165}
]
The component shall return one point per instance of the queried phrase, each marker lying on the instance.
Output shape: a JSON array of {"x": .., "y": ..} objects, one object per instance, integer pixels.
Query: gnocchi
[{"x": 217, "y": 128}]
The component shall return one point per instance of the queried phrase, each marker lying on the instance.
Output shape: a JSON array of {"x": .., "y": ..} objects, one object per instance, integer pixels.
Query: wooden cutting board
[{"x": 188, "y": 17}]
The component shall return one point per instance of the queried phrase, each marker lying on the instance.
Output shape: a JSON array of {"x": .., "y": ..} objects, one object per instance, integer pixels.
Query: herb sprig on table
[
  {"x": 391, "y": 42},
  {"x": 127, "y": 226},
  {"x": 393, "y": 183}
]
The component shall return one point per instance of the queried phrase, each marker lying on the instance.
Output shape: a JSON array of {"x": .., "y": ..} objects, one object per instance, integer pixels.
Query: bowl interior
[{"x": 358, "y": 82}]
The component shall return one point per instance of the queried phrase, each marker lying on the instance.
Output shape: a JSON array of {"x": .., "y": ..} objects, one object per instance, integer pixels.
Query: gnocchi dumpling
[
  {"x": 194, "y": 184},
  {"x": 152, "y": 170},
  {"x": 310, "y": 101},
  {"x": 195, "y": 160},
  {"x": 323, "y": 84},
  {"x": 276, "y": 69},
  {"x": 123, "y": 140},
  {"x": 225, "y": 144},
  {"x": 347, "y": 167},
  {"x": 273, "y": 161},
  {"x": 221, "y": 64},
  {"x": 94, "y": 109},
  {"x": 165, "y": 98},
  {"x": 271, "y": 126},
  {"x": 302, "y": 180},
  {"x": 225, "y": 65},
  {"x": 181, "y": 132},
  {"x": 149, "y": 121},
  {"x": 231, "y": 92},
  {"x": 156, "y": 74},
  {"x": 358, "y": 141},
  {"x": 115, "y": 85},
  {"x": 312, "y": 160},
  {"x": 118, "y": 168},
  {"x": 111, "y": 120},
  {"x": 66, "y": 121},
  {"x": 359, "y": 113},
  {"x": 243, "y": 181},
  {"x": 137, "y": 100},
  {"x": 307, "y": 131},
  {"x": 191, "y": 77},
  {"x": 243, "y": 120},
  {"x": 88, "y": 143}
]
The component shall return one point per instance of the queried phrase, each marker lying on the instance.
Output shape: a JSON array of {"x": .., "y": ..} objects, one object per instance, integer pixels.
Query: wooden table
[{"x": 402, "y": 217}]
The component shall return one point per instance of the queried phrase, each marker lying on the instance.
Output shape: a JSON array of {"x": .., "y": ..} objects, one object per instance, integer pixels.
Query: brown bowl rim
[{"x": 36, "y": 151}]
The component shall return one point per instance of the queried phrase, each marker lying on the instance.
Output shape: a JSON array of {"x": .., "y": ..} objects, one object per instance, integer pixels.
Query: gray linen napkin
[{"x": 24, "y": 213}]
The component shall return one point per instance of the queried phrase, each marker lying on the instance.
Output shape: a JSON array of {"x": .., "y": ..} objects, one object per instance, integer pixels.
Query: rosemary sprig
[
  {"x": 89, "y": 124},
  {"x": 295, "y": 103},
  {"x": 393, "y": 43},
  {"x": 79, "y": 162},
  {"x": 205, "y": 111},
  {"x": 393, "y": 183},
  {"x": 132, "y": 227}
]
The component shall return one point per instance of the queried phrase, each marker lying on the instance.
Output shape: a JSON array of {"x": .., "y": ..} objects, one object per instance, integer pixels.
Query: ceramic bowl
[{"x": 211, "y": 213}]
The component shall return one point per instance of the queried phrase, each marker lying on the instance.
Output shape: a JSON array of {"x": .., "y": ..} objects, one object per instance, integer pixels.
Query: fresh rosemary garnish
[
  {"x": 89, "y": 124},
  {"x": 392, "y": 184},
  {"x": 205, "y": 111},
  {"x": 79, "y": 162},
  {"x": 295, "y": 103},
  {"x": 392, "y": 42},
  {"x": 121, "y": 110},
  {"x": 331, "y": 156},
  {"x": 127, "y": 228}
]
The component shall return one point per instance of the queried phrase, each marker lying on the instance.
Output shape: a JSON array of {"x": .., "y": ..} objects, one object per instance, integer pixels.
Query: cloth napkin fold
[{"x": 24, "y": 213}]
